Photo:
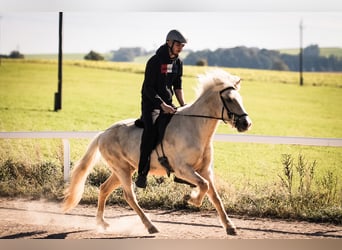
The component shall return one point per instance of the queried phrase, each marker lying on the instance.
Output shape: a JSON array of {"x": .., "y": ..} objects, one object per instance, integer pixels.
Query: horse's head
[
  {"x": 232, "y": 104},
  {"x": 229, "y": 86}
]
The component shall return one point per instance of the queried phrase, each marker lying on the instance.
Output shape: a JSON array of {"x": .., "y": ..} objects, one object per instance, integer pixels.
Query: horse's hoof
[
  {"x": 153, "y": 230},
  {"x": 231, "y": 231},
  {"x": 103, "y": 225}
]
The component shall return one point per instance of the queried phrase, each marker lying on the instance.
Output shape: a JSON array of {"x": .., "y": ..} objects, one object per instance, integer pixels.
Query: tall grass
[
  {"x": 250, "y": 176},
  {"x": 39, "y": 180}
]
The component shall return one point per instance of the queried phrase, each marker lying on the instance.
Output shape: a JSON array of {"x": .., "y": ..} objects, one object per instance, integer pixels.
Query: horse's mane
[{"x": 216, "y": 80}]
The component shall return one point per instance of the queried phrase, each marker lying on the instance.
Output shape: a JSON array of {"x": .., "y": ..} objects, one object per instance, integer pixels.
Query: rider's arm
[
  {"x": 180, "y": 96},
  {"x": 150, "y": 81}
]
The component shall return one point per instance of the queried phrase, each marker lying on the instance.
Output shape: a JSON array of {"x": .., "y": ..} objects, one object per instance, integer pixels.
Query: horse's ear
[{"x": 237, "y": 83}]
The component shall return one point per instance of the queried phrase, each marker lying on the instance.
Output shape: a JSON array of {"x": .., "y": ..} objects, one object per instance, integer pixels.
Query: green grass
[
  {"x": 97, "y": 94},
  {"x": 67, "y": 56}
]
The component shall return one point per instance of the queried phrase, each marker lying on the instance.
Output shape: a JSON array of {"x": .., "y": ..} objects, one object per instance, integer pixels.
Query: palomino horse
[{"x": 187, "y": 143}]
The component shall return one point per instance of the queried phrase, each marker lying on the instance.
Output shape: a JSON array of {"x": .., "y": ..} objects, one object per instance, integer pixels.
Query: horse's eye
[{"x": 229, "y": 100}]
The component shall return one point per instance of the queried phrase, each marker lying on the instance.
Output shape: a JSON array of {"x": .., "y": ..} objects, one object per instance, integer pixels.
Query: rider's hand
[{"x": 167, "y": 108}]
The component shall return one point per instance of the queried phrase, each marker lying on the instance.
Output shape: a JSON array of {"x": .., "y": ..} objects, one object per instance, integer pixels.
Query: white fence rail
[{"x": 65, "y": 136}]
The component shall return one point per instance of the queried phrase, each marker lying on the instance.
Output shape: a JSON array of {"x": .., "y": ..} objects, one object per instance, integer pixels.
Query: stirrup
[{"x": 165, "y": 163}]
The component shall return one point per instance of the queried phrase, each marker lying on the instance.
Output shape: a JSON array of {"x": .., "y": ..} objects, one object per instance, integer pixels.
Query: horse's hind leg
[
  {"x": 105, "y": 190},
  {"x": 125, "y": 177}
]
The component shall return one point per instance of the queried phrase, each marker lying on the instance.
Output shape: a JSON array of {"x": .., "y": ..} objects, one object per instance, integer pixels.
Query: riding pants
[{"x": 148, "y": 139}]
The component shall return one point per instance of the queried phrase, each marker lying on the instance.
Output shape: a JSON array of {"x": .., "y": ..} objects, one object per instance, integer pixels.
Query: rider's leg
[{"x": 146, "y": 146}]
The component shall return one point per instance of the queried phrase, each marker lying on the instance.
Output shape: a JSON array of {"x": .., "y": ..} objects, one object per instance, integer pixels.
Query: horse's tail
[{"x": 73, "y": 194}]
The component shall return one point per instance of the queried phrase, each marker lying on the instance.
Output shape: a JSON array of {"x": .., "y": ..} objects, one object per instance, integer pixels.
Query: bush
[
  {"x": 98, "y": 176},
  {"x": 94, "y": 56},
  {"x": 301, "y": 198},
  {"x": 202, "y": 62},
  {"x": 43, "y": 180}
]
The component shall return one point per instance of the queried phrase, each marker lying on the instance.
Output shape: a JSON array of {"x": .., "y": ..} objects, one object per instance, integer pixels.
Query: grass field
[{"x": 97, "y": 94}]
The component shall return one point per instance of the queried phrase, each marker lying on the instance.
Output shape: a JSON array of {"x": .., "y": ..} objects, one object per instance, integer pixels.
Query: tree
[
  {"x": 92, "y": 55},
  {"x": 202, "y": 62},
  {"x": 16, "y": 55},
  {"x": 312, "y": 51},
  {"x": 279, "y": 64},
  {"x": 128, "y": 54}
]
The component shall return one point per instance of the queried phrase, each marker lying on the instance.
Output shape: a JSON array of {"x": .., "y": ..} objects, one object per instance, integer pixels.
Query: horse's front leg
[
  {"x": 202, "y": 186},
  {"x": 225, "y": 220},
  {"x": 216, "y": 201}
]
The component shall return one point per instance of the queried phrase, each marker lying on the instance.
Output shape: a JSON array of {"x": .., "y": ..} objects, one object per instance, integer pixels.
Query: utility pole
[
  {"x": 58, "y": 94},
  {"x": 301, "y": 53},
  {"x": 0, "y": 39}
]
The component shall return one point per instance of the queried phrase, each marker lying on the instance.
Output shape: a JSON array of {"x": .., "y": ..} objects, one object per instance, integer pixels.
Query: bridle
[{"x": 231, "y": 115}]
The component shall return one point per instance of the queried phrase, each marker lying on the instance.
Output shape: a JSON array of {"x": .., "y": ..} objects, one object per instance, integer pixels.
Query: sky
[{"x": 35, "y": 30}]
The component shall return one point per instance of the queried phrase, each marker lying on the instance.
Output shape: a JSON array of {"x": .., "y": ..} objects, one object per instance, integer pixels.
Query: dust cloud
[{"x": 49, "y": 213}]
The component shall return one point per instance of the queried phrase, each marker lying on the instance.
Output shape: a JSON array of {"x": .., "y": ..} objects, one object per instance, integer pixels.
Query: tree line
[
  {"x": 237, "y": 57},
  {"x": 244, "y": 57},
  {"x": 255, "y": 58}
]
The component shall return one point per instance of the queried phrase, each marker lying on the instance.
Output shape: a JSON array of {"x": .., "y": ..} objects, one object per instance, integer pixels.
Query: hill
[{"x": 326, "y": 52}]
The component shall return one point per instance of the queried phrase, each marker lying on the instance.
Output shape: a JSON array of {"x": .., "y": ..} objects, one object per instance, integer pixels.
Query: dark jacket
[{"x": 162, "y": 76}]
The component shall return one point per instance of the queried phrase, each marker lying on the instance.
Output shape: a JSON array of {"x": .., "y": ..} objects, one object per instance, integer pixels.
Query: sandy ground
[{"x": 25, "y": 219}]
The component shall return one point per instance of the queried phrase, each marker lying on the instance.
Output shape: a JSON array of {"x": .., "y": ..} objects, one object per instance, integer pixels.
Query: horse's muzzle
[{"x": 243, "y": 123}]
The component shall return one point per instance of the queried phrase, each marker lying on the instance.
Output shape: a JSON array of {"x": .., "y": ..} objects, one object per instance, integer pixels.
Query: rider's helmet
[{"x": 175, "y": 35}]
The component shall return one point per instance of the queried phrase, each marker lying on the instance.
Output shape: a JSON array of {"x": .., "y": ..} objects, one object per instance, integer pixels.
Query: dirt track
[{"x": 22, "y": 219}]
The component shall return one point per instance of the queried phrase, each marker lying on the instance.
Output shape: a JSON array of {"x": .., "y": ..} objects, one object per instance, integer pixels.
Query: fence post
[{"x": 66, "y": 153}]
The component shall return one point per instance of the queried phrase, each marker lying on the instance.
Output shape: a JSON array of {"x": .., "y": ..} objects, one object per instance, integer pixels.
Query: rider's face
[{"x": 177, "y": 47}]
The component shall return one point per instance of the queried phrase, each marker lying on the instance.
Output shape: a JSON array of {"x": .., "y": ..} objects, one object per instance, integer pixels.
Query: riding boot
[
  {"x": 144, "y": 167},
  {"x": 141, "y": 181}
]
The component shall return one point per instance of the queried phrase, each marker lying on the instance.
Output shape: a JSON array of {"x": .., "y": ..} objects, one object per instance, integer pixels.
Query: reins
[
  {"x": 231, "y": 115},
  {"x": 200, "y": 116}
]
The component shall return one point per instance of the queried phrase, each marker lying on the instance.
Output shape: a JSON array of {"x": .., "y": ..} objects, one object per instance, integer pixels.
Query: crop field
[{"x": 97, "y": 94}]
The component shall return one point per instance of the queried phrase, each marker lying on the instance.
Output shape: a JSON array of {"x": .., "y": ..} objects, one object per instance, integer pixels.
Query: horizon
[{"x": 150, "y": 52}]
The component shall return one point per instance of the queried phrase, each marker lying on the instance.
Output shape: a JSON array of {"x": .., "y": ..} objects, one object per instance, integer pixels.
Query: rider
[{"x": 163, "y": 78}]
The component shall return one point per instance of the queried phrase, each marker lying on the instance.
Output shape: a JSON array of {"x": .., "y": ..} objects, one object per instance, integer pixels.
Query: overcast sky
[{"x": 35, "y": 30}]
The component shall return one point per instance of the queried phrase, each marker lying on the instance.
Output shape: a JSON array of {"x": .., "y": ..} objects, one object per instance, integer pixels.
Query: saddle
[{"x": 161, "y": 123}]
